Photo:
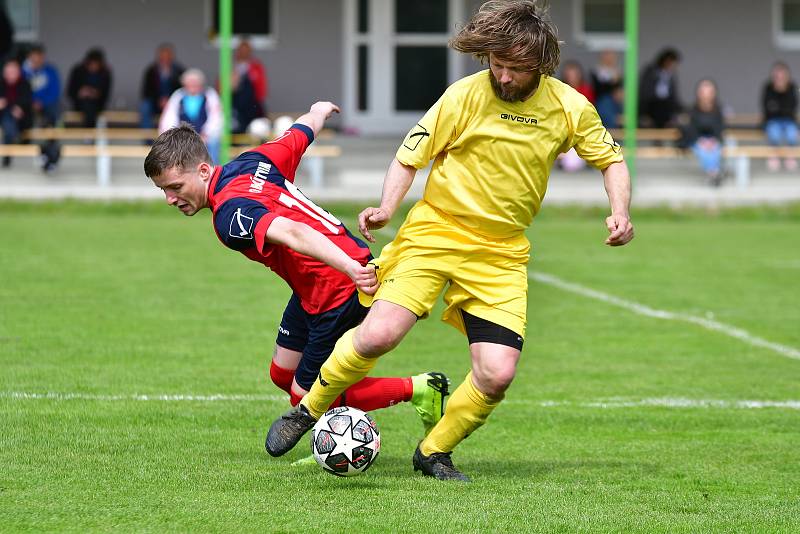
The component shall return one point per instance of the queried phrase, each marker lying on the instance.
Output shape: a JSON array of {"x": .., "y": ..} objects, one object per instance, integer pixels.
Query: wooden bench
[
  {"x": 104, "y": 153},
  {"x": 739, "y": 155}
]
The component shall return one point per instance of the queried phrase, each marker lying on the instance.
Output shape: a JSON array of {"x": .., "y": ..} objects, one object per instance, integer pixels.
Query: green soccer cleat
[
  {"x": 430, "y": 391},
  {"x": 308, "y": 460}
]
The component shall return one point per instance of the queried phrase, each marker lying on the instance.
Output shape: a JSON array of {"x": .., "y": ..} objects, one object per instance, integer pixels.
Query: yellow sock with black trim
[
  {"x": 466, "y": 411},
  {"x": 343, "y": 368}
]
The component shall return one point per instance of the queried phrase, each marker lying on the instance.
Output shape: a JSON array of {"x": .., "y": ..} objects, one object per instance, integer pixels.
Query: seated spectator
[
  {"x": 703, "y": 132},
  {"x": 572, "y": 75},
  {"x": 45, "y": 83},
  {"x": 160, "y": 80},
  {"x": 779, "y": 105},
  {"x": 89, "y": 86},
  {"x": 15, "y": 105},
  {"x": 607, "y": 84},
  {"x": 198, "y": 105},
  {"x": 659, "y": 104},
  {"x": 249, "y": 87}
]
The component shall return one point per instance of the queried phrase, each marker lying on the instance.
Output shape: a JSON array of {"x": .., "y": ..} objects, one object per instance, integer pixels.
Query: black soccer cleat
[
  {"x": 438, "y": 465},
  {"x": 285, "y": 432}
]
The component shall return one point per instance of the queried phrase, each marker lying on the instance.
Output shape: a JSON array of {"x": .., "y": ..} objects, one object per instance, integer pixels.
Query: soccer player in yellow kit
[{"x": 493, "y": 137}]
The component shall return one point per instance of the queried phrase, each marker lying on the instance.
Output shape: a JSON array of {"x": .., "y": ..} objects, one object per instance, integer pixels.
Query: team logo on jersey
[
  {"x": 241, "y": 226},
  {"x": 415, "y": 137},
  {"x": 518, "y": 118}
]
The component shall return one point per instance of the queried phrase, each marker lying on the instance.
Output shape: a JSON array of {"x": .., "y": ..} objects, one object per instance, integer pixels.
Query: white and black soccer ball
[{"x": 345, "y": 441}]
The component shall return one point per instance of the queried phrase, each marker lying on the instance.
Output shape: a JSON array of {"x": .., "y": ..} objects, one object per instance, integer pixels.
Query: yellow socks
[
  {"x": 343, "y": 368},
  {"x": 466, "y": 411}
]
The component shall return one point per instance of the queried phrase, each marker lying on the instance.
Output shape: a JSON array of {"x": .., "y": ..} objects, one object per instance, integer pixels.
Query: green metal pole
[
  {"x": 631, "y": 81},
  {"x": 225, "y": 31}
]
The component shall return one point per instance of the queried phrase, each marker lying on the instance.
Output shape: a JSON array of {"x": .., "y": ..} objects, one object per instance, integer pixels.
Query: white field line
[
  {"x": 640, "y": 309},
  {"x": 18, "y": 395},
  {"x": 608, "y": 403}
]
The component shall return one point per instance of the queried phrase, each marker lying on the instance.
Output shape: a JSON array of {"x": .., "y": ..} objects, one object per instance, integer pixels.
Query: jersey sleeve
[
  {"x": 432, "y": 135},
  {"x": 242, "y": 223},
  {"x": 285, "y": 151},
  {"x": 593, "y": 142}
]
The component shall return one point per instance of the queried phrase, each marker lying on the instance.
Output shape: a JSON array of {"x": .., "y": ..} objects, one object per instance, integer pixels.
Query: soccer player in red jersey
[{"x": 258, "y": 211}]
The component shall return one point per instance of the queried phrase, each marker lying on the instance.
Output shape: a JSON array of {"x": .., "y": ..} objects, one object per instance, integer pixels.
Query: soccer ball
[{"x": 345, "y": 441}]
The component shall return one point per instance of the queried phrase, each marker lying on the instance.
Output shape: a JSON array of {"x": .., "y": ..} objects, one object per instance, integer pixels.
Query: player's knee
[
  {"x": 495, "y": 382},
  {"x": 374, "y": 340},
  {"x": 281, "y": 377}
]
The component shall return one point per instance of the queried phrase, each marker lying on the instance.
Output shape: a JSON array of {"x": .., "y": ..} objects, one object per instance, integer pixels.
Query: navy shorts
[{"x": 315, "y": 335}]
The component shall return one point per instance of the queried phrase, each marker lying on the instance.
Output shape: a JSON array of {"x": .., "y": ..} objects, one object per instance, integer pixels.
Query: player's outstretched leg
[
  {"x": 430, "y": 391},
  {"x": 438, "y": 465},
  {"x": 285, "y": 432}
]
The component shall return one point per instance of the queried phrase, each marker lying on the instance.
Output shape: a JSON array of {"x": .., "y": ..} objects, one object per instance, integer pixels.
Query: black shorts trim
[{"x": 483, "y": 331}]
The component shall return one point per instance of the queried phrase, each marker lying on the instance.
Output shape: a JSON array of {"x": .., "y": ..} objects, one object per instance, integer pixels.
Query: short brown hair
[
  {"x": 517, "y": 31},
  {"x": 180, "y": 147}
]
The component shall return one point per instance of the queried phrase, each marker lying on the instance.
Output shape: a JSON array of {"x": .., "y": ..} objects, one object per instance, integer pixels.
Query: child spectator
[
  {"x": 703, "y": 133},
  {"x": 779, "y": 105},
  {"x": 572, "y": 75}
]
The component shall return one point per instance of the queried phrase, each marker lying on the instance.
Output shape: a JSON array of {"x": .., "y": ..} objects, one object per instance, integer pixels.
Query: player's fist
[
  {"x": 365, "y": 278},
  {"x": 620, "y": 229},
  {"x": 371, "y": 219},
  {"x": 324, "y": 108}
]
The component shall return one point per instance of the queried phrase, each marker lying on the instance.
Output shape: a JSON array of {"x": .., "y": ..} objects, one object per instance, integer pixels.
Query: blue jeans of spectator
[
  {"x": 10, "y": 127},
  {"x": 781, "y": 132},
  {"x": 608, "y": 109},
  {"x": 214, "y": 145},
  {"x": 146, "y": 113},
  {"x": 710, "y": 158}
]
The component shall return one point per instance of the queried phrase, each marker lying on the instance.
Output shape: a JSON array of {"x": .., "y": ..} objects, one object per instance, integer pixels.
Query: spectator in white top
[{"x": 197, "y": 105}]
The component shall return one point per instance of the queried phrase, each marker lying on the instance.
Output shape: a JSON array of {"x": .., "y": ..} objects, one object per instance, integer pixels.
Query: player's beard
[{"x": 511, "y": 92}]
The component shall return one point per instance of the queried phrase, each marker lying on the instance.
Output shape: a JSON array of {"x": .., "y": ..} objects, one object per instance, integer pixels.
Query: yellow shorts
[{"x": 487, "y": 278}]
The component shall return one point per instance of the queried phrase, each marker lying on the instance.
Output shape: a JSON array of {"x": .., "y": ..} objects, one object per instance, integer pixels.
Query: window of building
[
  {"x": 600, "y": 24},
  {"x": 24, "y": 15},
  {"x": 253, "y": 19},
  {"x": 786, "y": 23}
]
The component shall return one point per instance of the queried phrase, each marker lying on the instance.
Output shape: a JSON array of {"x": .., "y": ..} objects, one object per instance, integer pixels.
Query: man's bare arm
[
  {"x": 396, "y": 184},
  {"x": 618, "y": 187}
]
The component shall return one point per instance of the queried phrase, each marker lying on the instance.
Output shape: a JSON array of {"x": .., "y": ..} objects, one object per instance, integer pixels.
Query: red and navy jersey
[{"x": 248, "y": 193}]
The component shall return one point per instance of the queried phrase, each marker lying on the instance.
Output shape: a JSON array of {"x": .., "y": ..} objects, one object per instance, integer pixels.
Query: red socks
[
  {"x": 368, "y": 394},
  {"x": 281, "y": 377},
  {"x": 374, "y": 393}
]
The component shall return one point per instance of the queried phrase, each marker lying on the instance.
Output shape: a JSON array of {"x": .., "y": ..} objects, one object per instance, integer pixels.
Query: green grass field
[{"x": 627, "y": 414}]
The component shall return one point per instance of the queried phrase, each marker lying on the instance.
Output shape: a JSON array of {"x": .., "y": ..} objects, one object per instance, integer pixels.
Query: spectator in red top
[
  {"x": 15, "y": 104},
  {"x": 249, "y": 85},
  {"x": 572, "y": 74}
]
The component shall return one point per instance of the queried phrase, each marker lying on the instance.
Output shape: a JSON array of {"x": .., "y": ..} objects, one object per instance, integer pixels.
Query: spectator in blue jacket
[{"x": 45, "y": 85}]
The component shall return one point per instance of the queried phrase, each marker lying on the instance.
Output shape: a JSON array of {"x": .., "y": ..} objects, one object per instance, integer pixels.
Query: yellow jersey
[{"x": 492, "y": 158}]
